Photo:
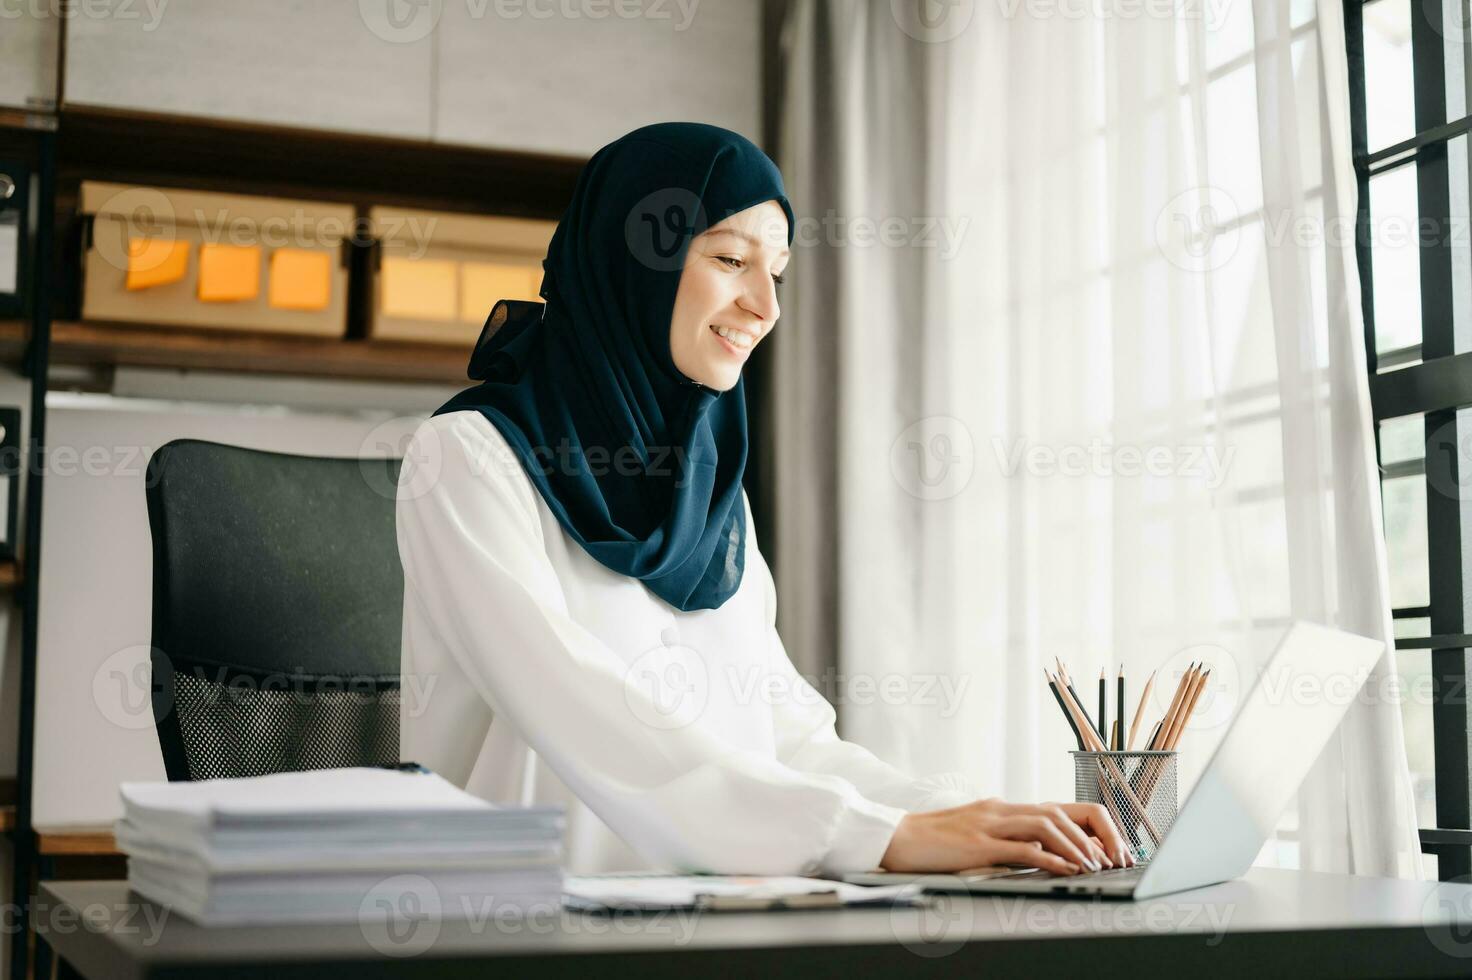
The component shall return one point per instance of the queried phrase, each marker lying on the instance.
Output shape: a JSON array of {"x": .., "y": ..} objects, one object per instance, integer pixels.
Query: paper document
[{"x": 723, "y": 892}]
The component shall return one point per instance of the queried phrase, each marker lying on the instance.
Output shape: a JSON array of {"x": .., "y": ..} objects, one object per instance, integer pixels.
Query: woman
[{"x": 587, "y": 618}]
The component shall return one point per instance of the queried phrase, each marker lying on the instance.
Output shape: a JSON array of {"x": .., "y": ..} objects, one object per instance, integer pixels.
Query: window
[{"x": 1408, "y": 80}]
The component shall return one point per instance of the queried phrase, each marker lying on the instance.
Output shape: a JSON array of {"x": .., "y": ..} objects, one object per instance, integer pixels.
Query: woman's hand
[{"x": 1063, "y": 838}]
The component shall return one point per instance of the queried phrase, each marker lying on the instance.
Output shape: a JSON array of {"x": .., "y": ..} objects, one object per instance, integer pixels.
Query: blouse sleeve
[
  {"x": 807, "y": 738},
  {"x": 473, "y": 557}
]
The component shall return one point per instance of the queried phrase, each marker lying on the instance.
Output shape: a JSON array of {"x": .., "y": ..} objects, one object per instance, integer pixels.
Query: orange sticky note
[
  {"x": 301, "y": 279},
  {"x": 156, "y": 261},
  {"x": 417, "y": 289},
  {"x": 229, "y": 273},
  {"x": 483, "y": 283}
]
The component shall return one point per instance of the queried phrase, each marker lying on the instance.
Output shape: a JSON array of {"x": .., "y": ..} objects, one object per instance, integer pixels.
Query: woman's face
[{"x": 727, "y": 300}]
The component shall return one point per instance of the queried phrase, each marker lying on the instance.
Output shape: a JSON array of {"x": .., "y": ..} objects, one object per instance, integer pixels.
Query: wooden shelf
[
  {"x": 7, "y": 817},
  {"x": 9, "y": 575},
  {"x": 93, "y": 841},
  {"x": 128, "y": 146},
  {"x": 106, "y": 344}
]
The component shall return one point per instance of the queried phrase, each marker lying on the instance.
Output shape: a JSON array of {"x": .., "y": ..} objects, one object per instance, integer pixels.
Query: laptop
[{"x": 1280, "y": 728}]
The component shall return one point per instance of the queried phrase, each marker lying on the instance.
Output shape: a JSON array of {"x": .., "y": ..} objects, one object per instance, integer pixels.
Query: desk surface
[{"x": 1269, "y": 923}]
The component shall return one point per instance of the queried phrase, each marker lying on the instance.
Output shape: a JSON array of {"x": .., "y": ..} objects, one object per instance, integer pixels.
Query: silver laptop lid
[{"x": 1279, "y": 729}]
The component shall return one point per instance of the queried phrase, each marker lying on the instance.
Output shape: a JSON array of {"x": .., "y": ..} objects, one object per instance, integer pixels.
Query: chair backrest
[{"x": 277, "y": 608}]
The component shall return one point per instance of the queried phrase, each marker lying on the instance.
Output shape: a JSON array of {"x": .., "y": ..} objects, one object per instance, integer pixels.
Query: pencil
[
  {"x": 1175, "y": 702},
  {"x": 1103, "y": 707},
  {"x": 1140, "y": 711},
  {"x": 1189, "y": 709},
  {"x": 1119, "y": 711},
  {"x": 1053, "y": 686},
  {"x": 1067, "y": 682},
  {"x": 1188, "y": 682}
]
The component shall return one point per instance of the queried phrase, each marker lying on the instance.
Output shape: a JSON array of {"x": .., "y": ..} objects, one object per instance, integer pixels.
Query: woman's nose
[{"x": 761, "y": 301}]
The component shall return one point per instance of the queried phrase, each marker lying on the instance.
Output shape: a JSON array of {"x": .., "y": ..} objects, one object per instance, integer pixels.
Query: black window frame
[{"x": 1436, "y": 388}]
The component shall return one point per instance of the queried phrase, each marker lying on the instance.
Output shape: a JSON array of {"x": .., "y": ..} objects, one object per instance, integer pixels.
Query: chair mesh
[{"x": 241, "y": 727}]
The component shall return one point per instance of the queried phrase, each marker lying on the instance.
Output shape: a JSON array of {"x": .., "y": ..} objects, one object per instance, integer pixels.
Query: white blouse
[{"x": 677, "y": 741}]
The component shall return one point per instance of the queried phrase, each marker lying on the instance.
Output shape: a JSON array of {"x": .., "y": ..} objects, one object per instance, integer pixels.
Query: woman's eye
[{"x": 736, "y": 263}]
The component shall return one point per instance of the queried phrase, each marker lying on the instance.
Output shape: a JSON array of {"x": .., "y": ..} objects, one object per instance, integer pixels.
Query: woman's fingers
[
  {"x": 1029, "y": 854},
  {"x": 1094, "y": 818},
  {"x": 1039, "y": 828},
  {"x": 1070, "y": 827}
]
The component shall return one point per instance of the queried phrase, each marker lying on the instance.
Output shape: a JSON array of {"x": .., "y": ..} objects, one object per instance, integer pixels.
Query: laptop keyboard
[
  {"x": 1134, "y": 871},
  {"x": 1110, "y": 873}
]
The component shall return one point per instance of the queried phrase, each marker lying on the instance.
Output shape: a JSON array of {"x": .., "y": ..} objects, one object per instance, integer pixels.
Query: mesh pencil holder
[{"x": 1137, "y": 788}]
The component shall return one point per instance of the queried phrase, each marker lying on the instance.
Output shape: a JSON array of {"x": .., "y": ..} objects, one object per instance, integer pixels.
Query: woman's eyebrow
[{"x": 743, "y": 235}]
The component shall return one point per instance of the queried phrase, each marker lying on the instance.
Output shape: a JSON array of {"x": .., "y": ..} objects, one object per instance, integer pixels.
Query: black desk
[{"x": 1270, "y": 923}]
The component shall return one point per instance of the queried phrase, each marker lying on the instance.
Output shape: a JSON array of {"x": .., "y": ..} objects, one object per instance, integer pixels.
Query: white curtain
[{"x": 1099, "y": 394}]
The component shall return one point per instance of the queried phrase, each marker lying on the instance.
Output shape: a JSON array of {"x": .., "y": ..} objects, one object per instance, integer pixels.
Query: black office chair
[{"x": 277, "y": 605}]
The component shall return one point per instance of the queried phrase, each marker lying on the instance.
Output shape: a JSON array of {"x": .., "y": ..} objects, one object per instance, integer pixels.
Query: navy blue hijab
[{"x": 641, "y": 465}]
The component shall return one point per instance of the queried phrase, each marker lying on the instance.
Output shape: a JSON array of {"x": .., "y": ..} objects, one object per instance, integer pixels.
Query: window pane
[
  {"x": 1405, "y": 540},
  {"x": 1454, "y": 35},
  {"x": 1389, "y": 86},
  {"x": 1402, "y": 439},
  {"x": 1458, "y": 194},
  {"x": 1416, "y": 626},
  {"x": 1413, "y": 667},
  {"x": 1395, "y": 259}
]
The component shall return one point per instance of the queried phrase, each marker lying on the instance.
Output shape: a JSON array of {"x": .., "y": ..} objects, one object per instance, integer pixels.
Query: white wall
[
  {"x": 571, "y": 85},
  {"x": 94, "y": 727},
  {"x": 554, "y": 76},
  {"x": 29, "y": 39},
  {"x": 285, "y": 62}
]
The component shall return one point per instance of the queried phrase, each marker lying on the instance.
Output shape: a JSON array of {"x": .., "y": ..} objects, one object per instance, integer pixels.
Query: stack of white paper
[{"x": 336, "y": 845}]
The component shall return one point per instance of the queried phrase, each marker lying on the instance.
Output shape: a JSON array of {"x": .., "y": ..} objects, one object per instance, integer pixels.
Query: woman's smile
[{"x": 739, "y": 345}]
